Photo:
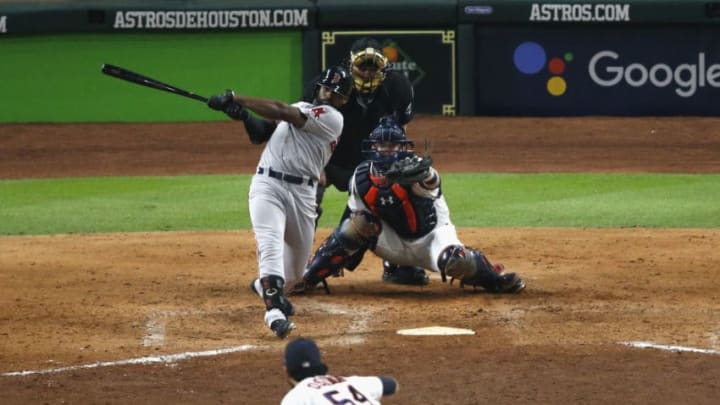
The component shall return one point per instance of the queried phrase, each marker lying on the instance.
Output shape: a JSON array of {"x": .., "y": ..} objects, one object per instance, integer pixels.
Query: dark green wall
[{"x": 56, "y": 78}]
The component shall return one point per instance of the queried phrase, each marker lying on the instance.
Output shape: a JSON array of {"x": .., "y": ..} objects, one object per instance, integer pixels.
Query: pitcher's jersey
[
  {"x": 328, "y": 389},
  {"x": 304, "y": 151}
]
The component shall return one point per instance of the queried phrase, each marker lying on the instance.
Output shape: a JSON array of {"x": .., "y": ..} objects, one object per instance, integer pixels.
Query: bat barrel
[{"x": 142, "y": 80}]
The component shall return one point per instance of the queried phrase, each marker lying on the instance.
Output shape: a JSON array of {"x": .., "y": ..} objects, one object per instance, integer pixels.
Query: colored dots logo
[{"x": 530, "y": 58}]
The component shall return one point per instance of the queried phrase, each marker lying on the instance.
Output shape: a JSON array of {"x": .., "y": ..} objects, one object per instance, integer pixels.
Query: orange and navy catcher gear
[
  {"x": 410, "y": 215},
  {"x": 343, "y": 249}
]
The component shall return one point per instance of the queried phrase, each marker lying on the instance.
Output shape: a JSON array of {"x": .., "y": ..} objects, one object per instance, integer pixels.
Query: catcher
[{"x": 397, "y": 210}]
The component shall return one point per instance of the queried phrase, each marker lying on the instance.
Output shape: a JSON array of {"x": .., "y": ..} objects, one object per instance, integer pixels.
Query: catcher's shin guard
[
  {"x": 343, "y": 249},
  {"x": 328, "y": 261},
  {"x": 273, "y": 295},
  {"x": 472, "y": 268}
]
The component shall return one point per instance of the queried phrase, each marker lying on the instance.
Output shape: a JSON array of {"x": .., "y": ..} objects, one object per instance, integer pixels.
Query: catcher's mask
[
  {"x": 367, "y": 65},
  {"x": 386, "y": 144},
  {"x": 337, "y": 79}
]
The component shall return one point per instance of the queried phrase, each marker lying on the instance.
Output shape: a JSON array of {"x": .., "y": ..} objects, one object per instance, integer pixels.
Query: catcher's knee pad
[
  {"x": 358, "y": 232},
  {"x": 360, "y": 228},
  {"x": 467, "y": 265},
  {"x": 274, "y": 295}
]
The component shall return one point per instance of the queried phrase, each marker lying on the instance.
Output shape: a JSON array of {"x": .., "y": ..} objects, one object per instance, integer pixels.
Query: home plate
[{"x": 435, "y": 331}]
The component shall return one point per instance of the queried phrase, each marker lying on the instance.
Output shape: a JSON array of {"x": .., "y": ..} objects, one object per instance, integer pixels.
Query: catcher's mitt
[{"x": 409, "y": 171}]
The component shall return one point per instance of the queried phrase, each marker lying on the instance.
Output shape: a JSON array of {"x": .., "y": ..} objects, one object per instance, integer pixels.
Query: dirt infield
[{"x": 90, "y": 317}]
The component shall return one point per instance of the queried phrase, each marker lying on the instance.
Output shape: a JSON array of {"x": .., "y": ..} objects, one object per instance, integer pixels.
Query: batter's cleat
[
  {"x": 510, "y": 283},
  {"x": 282, "y": 328},
  {"x": 405, "y": 275}
]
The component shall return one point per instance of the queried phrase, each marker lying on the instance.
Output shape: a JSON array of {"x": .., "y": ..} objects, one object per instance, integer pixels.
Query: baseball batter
[
  {"x": 300, "y": 140},
  {"x": 398, "y": 211},
  {"x": 312, "y": 385}
]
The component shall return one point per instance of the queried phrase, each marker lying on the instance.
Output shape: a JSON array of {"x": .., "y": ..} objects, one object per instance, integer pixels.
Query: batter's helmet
[
  {"x": 337, "y": 79},
  {"x": 387, "y": 143}
]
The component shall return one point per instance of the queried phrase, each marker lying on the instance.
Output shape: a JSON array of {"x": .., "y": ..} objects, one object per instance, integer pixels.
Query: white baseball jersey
[
  {"x": 327, "y": 389},
  {"x": 283, "y": 211},
  {"x": 304, "y": 151}
]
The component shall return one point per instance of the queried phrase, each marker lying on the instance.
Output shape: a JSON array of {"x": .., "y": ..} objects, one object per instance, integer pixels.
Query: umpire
[{"x": 379, "y": 92}]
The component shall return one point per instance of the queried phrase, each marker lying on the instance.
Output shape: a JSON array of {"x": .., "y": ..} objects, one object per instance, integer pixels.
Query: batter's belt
[{"x": 285, "y": 177}]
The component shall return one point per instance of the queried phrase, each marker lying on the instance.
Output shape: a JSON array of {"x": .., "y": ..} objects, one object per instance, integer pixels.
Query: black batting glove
[
  {"x": 236, "y": 112},
  {"x": 220, "y": 102}
]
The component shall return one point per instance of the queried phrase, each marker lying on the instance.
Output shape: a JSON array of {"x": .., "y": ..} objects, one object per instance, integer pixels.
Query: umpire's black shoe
[
  {"x": 282, "y": 328},
  {"x": 405, "y": 275}
]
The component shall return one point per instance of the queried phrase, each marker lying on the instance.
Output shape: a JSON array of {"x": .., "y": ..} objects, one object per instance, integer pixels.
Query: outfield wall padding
[{"x": 482, "y": 57}]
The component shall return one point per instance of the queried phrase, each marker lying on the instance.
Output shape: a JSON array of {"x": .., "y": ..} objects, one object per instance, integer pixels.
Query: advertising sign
[
  {"x": 28, "y": 20},
  {"x": 427, "y": 58},
  {"x": 596, "y": 71},
  {"x": 209, "y": 19}
]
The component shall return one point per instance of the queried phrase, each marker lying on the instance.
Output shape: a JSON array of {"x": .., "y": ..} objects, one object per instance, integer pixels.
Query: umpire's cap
[
  {"x": 363, "y": 43},
  {"x": 302, "y": 359}
]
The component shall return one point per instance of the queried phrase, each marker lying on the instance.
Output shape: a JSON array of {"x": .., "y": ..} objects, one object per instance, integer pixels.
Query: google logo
[{"x": 530, "y": 58}]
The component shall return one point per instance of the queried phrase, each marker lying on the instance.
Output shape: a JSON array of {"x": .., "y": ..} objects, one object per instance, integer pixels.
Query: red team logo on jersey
[{"x": 318, "y": 111}]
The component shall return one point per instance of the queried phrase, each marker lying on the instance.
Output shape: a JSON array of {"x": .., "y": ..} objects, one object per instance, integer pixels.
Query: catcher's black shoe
[
  {"x": 305, "y": 287},
  {"x": 282, "y": 328},
  {"x": 405, "y": 275},
  {"x": 510, "y": 283}
]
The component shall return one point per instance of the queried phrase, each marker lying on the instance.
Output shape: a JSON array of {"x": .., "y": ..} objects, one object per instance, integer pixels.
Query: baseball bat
[{"x": 137, "y": 78}]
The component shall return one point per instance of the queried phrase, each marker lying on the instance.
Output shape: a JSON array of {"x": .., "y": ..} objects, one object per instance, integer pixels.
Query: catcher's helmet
[
  {"x": 386, "y": 144},
  {"x": 337, "y": 79},
  {"x": 367, "y": 65}
]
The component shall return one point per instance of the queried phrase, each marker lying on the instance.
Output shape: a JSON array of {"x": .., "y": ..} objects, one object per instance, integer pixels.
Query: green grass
[
  {"x": 123, "y": 204},
  {"x": 577, "y": 200},
  {"x": 127, "y": 204}
]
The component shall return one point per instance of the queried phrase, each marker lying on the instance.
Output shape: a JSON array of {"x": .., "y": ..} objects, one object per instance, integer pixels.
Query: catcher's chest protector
[{"x": 409, "y": 215}]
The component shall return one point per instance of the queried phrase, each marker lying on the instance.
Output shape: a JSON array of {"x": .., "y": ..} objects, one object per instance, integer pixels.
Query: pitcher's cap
[{"x": 302, "y": 354}]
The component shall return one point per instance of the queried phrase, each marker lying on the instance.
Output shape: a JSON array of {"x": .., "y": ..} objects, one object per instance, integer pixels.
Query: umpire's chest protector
[{"x": 409, "y": 215}]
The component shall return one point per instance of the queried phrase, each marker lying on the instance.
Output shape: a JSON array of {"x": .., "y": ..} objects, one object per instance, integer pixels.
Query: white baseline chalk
[
  {"x": 168, "y": 358},
  {"x": 651, "y": 345}
]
